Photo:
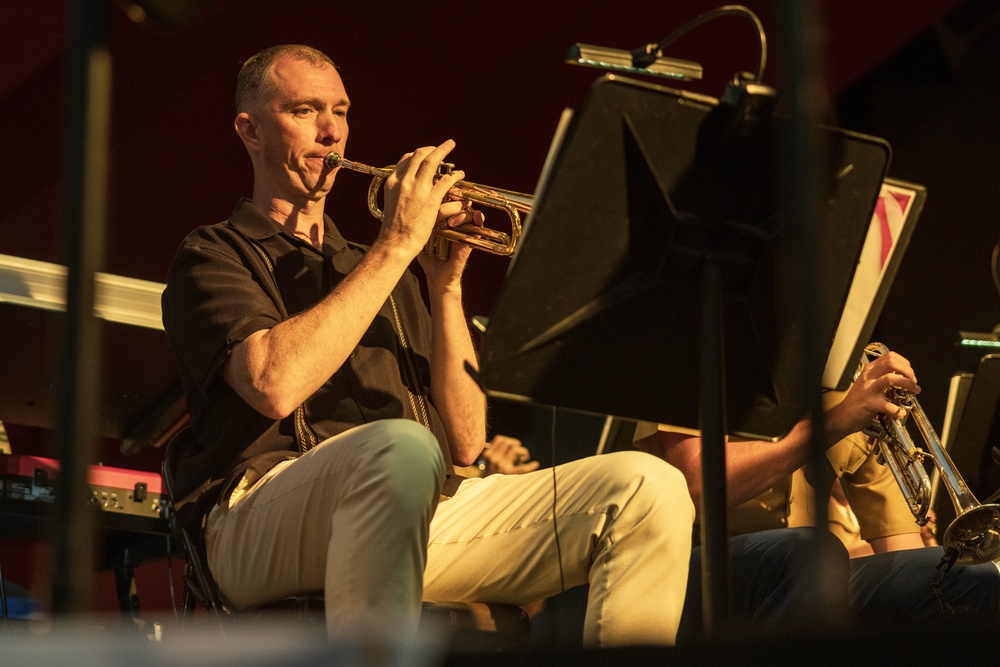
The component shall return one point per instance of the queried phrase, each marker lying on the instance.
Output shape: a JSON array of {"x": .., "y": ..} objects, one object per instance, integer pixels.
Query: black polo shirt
[{"x": 238, "y": 277}]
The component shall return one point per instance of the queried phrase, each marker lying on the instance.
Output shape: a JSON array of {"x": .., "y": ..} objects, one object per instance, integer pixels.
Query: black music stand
[
  {"x": 976, "y": 436},
  {"x": 899, "y": 205},
  {"x": 602, "y": 308}
]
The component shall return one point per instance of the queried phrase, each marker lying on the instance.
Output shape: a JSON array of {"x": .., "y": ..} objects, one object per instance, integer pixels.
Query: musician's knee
[
  {"x": 402, "y": 457},
  {"x": 656, "y": 489}
]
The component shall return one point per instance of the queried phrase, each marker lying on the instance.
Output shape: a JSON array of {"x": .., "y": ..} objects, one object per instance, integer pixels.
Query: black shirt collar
[{"x": 255, "y": 225}]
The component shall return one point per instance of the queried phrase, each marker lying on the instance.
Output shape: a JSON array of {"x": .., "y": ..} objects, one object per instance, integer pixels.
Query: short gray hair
[{"x": 253, "y": 84}]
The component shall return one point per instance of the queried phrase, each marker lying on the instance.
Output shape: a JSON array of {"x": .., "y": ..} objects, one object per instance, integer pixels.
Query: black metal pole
[
  {"x": 801, "y": 160},
  {"x": 88, "y": 88},
  {"x": 715, "y": 582}
]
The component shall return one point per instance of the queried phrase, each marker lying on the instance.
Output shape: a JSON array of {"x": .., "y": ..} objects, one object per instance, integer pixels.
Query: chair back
[{"x": 199, "y": 586}]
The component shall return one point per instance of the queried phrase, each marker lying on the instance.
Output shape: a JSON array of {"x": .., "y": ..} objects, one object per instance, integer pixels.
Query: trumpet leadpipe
[
  {"x": 492, "y": 241},
  {"x": 334, "y": 159}
]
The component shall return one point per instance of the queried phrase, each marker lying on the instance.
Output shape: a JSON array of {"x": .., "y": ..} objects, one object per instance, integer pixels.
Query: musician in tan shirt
[{"x": 897, "y": 580}]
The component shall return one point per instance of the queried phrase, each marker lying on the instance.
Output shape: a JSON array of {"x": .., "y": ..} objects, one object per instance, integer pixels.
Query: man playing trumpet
[
  {"x": 767, "y": 487},
  {"x": 328, "y": 406}
]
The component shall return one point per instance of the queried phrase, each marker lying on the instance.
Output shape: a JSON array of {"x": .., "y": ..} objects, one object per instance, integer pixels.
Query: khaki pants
[
  {"x": 349, "y": 519},
  {"x": 624, "y": 525}
]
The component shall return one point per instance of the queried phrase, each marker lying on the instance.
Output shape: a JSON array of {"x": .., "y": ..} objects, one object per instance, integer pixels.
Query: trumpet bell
[{"x": 975, "y": 535}]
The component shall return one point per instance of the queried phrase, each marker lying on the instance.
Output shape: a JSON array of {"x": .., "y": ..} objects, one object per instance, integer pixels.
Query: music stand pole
[{"x": 715, "y": 583}]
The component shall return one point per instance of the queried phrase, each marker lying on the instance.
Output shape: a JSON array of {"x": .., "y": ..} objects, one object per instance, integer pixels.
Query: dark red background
[{"x": 488, "y": 75}]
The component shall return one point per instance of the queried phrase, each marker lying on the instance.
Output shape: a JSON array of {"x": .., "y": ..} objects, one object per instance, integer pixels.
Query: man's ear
[{"x": 246, "y": 128}]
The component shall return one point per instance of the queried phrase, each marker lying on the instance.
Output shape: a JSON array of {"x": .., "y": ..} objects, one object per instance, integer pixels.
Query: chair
[
  {"x": 476, "y": 627},
  {"x": 200, "y": 588}
]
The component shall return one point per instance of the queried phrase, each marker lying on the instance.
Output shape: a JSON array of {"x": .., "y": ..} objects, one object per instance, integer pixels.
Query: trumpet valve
[
  {"x": 874, "y": 431},
  {"x": 437, "y": 246}
]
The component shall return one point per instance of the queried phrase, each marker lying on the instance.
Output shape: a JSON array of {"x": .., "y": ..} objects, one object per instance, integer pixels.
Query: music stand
[
  {"x": 896, "y": 212},
  {"x": 600, "y": 310},
  {"x": 976, "y": 434}
]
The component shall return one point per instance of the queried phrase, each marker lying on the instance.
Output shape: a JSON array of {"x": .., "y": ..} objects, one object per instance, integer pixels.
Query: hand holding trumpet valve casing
[
  {"x": 482, "y": 238},
  {"x": 974, "y": 535}
]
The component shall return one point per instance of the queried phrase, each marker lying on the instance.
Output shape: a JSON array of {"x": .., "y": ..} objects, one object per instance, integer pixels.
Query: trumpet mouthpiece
[{"x": 333, "y": 159}]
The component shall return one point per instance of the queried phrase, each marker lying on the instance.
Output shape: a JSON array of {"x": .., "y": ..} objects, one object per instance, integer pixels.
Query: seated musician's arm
[{"x": 752, "y": 466}]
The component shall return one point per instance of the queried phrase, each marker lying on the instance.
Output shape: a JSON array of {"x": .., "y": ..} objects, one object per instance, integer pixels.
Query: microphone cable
[
  {"x": 555, "y": 497},
  {"x": 944, "y": 567},
  {"x": 3, "y": 601}
]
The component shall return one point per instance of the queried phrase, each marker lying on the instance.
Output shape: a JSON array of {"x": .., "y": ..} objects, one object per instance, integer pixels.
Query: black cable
[
  {"x": 3, "y": 601},
  {"x": 943, "y": 568},
  {"x": 170, "y": 579},
  {"x": 555, "y": 524},
  {"x": 652, "y": 51},
  {"x": 996, "y": 267}
]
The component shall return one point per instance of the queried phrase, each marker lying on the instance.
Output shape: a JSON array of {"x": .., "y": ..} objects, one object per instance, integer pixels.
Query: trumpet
[
  {"x": 974, "y": 534},
  {"x": 482, "y": 238}
]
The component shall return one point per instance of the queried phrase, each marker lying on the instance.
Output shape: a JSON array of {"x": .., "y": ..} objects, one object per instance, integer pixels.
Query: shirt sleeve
[
  {"x": 877, "y": 500},
  {"x": 870, "y": 488},
  {"x": 212, "y": 301}
]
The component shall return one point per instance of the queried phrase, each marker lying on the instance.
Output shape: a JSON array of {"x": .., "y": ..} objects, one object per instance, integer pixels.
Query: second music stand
[{"x": 602, "y": 309}]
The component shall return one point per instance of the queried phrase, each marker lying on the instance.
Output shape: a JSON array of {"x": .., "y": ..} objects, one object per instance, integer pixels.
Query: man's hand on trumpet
[
  {"x": 413, "y": 195},
  {"x": 867, "y": 396},
  {"x": 446, "y": 273}
]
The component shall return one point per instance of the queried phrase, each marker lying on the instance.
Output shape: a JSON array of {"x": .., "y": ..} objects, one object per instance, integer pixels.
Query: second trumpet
[
  {"x": 482, "y": 238},
  {"x": 974, "y": 534}
]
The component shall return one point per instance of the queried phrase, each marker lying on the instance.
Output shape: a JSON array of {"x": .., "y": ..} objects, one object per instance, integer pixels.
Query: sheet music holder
[
  {"x": 599, "y": 312},
  {"x": 656, "y": 279},
  {"x": 897, "y": 209},
  {"x": 958, "y": 394},
  {"x": 976, "y": 431}
]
